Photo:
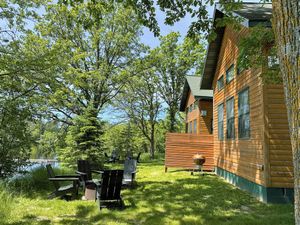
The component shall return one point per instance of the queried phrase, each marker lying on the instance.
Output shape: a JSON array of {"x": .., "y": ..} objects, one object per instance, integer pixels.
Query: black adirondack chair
[
  {"x": 63, "y": 191},
  {"x": 110, "y": 189},
  {"x": 85, "y": 171},
  {"x": 129, "y": 172}
]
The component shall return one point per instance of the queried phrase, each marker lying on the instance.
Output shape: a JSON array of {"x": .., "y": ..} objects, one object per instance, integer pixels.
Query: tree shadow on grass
[{"x": 195, "y": 200}]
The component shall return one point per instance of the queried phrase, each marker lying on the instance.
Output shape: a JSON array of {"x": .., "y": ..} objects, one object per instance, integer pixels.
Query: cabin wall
[
  {"x": 278, "y": 142},
  {"x": 204, "y": 123},
  {"x": 194, "y": 114},
  {"x": 244, "y": 158}
]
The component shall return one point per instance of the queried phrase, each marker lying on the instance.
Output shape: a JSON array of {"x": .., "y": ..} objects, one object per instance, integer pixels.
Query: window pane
[
  {"x": 230, "y": 73},
  {"x": 195, "y": 126},
  {"x": 220, "y": 83},
  {"x": 244, "y": 114},
  {"x": 230, "y": 118},
  {"x": 220, "y": 121}
]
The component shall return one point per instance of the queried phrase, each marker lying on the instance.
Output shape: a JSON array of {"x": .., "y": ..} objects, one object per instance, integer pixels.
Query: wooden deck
[{"x": 181, "y": 147}]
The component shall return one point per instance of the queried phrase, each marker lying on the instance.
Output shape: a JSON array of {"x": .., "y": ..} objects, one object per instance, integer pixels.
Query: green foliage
[
  {"x": 15, "y": 137},
  {"x": 49, "y": 138},
  {"x": 84, "y": 140},
  {"x": 99, "y": 41},
  {"x": 124, "y": 138},
  {"x": 141, "y": 100},
  {"x": 172, "y": 61},
  {"x": 256, "y": 50}
]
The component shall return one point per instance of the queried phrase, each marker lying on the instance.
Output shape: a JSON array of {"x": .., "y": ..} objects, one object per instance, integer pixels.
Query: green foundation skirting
[{"x": 264, "y": 194}]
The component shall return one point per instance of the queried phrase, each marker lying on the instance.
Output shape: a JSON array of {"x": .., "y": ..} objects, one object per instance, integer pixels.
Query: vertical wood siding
[
  {"x": 278, "y": 138},
  {"x": 180, "y": 149},
  {"x": 205, "y": 122}
]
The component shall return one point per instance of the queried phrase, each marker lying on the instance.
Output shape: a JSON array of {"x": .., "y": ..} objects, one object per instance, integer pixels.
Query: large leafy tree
[
  {"x": 141, "y": 101},
  {"x": 98, "y": 42},
  {"x": 173, "y": 61}
]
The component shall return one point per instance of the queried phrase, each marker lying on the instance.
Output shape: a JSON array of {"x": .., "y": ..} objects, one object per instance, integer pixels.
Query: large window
[
  {"x": 221, "y": 122},
  {"x": 230, "y": 74},
  {"x": 191, "y": 108},
  {"x": 195, "y": 127},
  {"x": 220, "y": 83},
  {"x": 230, "y": 118},
  {"x": 195, "y": 104},
  {"x": 244, "y": 114},
  {"x": 190, "y": 127}
]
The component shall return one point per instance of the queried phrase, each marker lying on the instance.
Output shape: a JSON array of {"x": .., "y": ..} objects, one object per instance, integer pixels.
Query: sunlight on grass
[{"x": 174, "y": 198}]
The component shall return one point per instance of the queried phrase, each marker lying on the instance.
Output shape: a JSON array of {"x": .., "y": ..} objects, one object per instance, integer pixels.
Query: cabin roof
[
  {"x": 192, "y": 83},
  {"x": 251, "y": 15}
]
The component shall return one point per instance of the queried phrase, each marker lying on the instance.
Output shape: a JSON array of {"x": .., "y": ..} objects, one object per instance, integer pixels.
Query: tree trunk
[
  {"x": 286, "y": 25},
  {"x": 152, "y": 141},
  {"x": 172, "y": 115}
]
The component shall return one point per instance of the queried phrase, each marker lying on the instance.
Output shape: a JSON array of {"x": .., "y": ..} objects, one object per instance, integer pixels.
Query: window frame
[
  {"x": 219, "y": 81},
  {"x": 231, "y": 118},
  {"x": 229, "y": 68},
  {"x": 239, "y": 115},
  {"x": 218, "y": 121}
]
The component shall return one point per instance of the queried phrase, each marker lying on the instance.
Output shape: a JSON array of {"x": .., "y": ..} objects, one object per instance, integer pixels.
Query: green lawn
[{"x": 175, "y": 197}]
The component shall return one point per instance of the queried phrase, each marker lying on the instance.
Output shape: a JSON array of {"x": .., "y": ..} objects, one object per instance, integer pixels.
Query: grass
[{"x": 175, "y": 198}]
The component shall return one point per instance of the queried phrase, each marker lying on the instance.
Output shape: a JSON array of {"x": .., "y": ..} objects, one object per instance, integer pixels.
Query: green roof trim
[{"x": 192, "y": 83}]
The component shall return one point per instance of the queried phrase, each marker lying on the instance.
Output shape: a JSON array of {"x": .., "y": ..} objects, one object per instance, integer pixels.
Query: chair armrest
[
  {"x": 68, "y": 176},
  {"x": 97, "y": 171},
  {"x": 81, "y": 173},
  {"x": 64, "y": 179},
  {"x": 134, "y": 172}
]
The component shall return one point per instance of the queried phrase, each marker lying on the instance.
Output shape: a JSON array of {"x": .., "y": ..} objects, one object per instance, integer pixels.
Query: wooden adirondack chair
[
  {"x": 129, "y": 172},
  {"x": 110, "y": 189},
  {"x": 62, "y": 191},
  {"x": 85, "y": 171}
]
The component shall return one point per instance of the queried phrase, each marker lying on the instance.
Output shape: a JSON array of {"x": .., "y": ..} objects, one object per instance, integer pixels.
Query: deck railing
[{"x": 181, "y": 147}]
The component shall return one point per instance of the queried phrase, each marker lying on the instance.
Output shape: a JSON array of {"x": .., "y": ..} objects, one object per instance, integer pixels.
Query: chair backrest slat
[
  {"x": 52, "y": 175},
  {"x": 84, "y": 167},
  {"x": 111, "y": 184},
  {"x": 129, "y": 167}
]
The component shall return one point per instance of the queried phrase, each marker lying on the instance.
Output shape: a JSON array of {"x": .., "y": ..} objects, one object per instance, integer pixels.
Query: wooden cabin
[
  {"x": 252, "y": 148},
  {"x": 198, "y": 107}
]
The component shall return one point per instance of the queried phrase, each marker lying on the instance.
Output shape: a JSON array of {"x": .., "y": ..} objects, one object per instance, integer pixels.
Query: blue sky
[{"x": 182, "y": 27}]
